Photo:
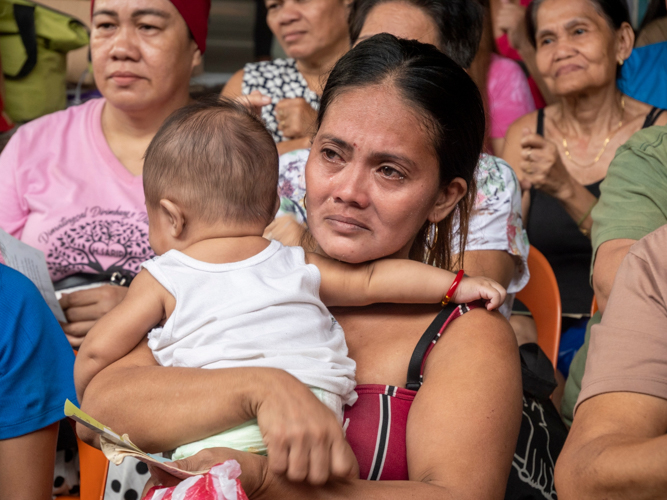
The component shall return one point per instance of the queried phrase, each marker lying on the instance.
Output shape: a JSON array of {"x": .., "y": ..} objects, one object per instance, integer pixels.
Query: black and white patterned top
[{"x": 278, "y": 79}]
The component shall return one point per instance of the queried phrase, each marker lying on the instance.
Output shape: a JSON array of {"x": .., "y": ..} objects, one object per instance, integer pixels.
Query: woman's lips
[
  {"x": 564, "y": 70},
  {"x": 124, "y": 78},
  {"x": 293, "y": 36},
  {"x": 345, "y": 224}
]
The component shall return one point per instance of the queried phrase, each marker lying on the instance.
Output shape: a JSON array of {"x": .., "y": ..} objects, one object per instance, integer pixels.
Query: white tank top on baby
[{"x": 264, "y": 311}]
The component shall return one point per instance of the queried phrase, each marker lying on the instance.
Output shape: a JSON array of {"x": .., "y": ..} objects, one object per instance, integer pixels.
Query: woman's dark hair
[
  {"x": 449, "y": 102},
  {"x": 615, "y": 12},
  {"x": 459, "y": 24},
  {"x": 655, "y": 10}
]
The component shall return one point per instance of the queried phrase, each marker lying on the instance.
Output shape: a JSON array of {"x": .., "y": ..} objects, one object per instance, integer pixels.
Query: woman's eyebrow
[
  {"x": 150, "y": 12},
  {"x": 574, "y": 22},
  {"x": 542, "y": 33},
  {"x": 379, "y": 157},
  {"x": 111, "y": 13},
  {"x": 345, "y": 146}
]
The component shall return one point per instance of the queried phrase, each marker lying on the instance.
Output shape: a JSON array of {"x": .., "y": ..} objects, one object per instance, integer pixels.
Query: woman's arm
[
  {"x": 154, "y": 406},
  {"x": 26, "y": 465},
  {"x": 233, "y": 87},
  {"x": 462, "y": 428},
  {"x": 497, "y": 265}
]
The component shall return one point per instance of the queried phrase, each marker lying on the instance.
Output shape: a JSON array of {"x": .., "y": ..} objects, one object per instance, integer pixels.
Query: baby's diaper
[{"x": 247, "y": 436}]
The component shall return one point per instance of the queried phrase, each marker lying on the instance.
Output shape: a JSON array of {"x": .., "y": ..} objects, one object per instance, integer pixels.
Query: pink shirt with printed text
[{"x": 64, "y": 192}]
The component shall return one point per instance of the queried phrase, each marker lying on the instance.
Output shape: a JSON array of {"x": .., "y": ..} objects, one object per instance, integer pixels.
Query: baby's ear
[{"x": 174, "y": 215}]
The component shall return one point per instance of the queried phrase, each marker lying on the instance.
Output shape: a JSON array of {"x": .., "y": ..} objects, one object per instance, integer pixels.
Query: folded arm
[
  {"x": 617, "y": 448},
  {"x": 154, "y": 405}
]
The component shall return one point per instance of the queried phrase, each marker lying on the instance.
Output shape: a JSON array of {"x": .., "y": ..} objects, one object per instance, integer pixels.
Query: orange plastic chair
[
  {"x": 594, "y": 306},
  {"x": 93, "y": 467},
  {"x": 542, "y": 298}
]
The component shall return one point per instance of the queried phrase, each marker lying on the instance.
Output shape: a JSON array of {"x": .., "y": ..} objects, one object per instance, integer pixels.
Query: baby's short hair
[{"x": 216, "y": 158}]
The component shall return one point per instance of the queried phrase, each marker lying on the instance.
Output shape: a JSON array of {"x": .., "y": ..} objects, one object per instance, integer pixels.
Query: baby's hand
[{"x": 475, "y": 288}]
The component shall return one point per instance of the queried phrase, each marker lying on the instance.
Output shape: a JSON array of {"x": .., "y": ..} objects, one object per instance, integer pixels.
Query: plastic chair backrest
[
  {"x": 93, "y": 466},
  {"x": 594, "y": 306},
  {"x": 542, "y": 298}
]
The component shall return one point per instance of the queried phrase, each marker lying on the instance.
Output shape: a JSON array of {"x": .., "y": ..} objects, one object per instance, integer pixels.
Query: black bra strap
[
  {"x": 540, "y": 122},
  {"x": 652, "y": 116},
  {"x": 415, "y": 366}
]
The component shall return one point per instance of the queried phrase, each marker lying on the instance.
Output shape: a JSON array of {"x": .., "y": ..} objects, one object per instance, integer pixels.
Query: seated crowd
[{"x": 276, "y": 275}]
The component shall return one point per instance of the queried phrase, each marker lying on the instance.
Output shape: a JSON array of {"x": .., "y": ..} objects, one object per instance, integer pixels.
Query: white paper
[{"x": 32, "y": 263}]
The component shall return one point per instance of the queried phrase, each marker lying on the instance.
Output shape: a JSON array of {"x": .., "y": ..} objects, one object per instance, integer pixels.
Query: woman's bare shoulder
[
  {"x": 484, "y": 338},
  {"x": 480, "y": 325}
]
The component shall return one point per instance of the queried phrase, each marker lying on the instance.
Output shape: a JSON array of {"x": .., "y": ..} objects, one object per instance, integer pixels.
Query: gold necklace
[{"x": 604, "y": 146}]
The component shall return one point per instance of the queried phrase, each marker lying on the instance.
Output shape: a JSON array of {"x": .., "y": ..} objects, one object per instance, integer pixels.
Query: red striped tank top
[{"x": 378, "y": 420}]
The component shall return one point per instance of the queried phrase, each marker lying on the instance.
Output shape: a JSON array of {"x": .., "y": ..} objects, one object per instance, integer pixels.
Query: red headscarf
[{"x": 195, "y": 13}]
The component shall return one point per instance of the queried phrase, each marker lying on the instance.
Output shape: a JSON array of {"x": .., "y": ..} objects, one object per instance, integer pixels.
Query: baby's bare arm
[
  {"x": 387, "y": 280},
  {"x": 400, "y": 281},
  {"x": 118, "y": 332}
]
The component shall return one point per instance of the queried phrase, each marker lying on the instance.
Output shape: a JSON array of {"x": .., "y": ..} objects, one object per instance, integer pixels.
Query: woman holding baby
[{"x": 400, "y": 130}]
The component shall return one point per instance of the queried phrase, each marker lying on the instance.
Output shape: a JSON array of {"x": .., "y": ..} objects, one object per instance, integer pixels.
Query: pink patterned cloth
[
  {"x": 509, "y": 94},
  {"x": 220, "y": 483},
  {"x": 64, "y": 192}
]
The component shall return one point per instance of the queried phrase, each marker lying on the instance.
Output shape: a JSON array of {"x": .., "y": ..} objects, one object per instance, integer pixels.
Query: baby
[{"x": 219, "y": 295}]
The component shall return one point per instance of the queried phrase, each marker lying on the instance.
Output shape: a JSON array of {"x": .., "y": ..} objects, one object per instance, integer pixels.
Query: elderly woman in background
[
  {"x": 562, "y": 153},
  {"x": 314, "y": 36}
]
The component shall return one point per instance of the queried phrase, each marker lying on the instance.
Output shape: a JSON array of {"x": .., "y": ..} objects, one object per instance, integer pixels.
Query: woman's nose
[
  {"x": 351, "y": 186},
  {"x": 289, "y": 13},
  {"x": 564, "y": 49},
  {"x": 125, "y": 45}
]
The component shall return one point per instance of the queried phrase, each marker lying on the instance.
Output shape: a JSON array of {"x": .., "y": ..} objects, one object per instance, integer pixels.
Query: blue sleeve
[
  {"x": 644, "y": 75},
  {"x": 36, "y": 361}
]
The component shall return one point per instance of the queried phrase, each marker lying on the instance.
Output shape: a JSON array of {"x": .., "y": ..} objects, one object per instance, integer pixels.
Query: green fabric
[
  {"x": 245, "y": 437},
  {"x": 573, "y": 383},
  {"x": 43, "y": 90},
  {"x": 633, "y": 203}
]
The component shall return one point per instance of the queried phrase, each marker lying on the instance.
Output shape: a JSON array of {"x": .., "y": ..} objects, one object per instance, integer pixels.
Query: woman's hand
[
  {"x": 512, "y": 20},
  {"x": 286, "y": 230},
  {"x": 253, "y": 469},
  {"x": 254, "y": 101},
  {"x": 83, "y": 308},
  {"x": 542, "y": 167},
  {"x": 295, "y": 117},
  {"x": 304, "y": 440}
]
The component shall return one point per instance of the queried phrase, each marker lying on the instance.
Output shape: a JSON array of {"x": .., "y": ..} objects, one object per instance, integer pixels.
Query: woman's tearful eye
[
  {"x": 391, "y": 172},
  {"x": 330, "y": 154}
]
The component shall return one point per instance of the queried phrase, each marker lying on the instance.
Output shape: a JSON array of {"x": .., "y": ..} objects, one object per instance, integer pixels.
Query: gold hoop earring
[
  {"x": 432, "y": 236},
  {"x": 303, "y": 200}
]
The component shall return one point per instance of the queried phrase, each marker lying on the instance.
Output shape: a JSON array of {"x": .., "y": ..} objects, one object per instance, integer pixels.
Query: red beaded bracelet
[{"x": 452, "y": 289}]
